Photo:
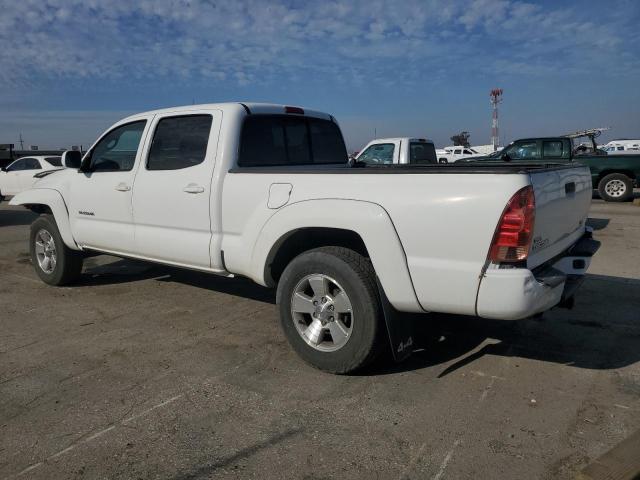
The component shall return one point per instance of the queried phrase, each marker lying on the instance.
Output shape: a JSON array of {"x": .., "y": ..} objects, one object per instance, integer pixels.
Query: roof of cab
[
  {"x": 253, "y": 108},
  {"x": 402, "y": 139}
]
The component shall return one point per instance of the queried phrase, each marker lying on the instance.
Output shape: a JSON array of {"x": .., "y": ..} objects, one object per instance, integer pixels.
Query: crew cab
[
  {"x": 267, "y": 192},
  {"x": 612, "y": 174},
  {"x": 398, "y": 151}
]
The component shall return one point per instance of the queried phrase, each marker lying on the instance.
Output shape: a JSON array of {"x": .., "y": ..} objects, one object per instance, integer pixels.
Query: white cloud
[{"x": 249, "y": 40}]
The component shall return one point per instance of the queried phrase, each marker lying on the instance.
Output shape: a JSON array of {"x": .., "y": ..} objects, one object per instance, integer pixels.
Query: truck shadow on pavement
[
  {"x": 98, "y": 273},
  {"x": 16, "y": 216},
  {"x": 601, "y": 332},
  {"x": 598, "y": 223}
]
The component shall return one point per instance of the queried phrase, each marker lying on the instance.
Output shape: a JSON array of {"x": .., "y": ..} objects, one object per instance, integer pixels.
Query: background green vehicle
[{"x": 614, "y": 176}]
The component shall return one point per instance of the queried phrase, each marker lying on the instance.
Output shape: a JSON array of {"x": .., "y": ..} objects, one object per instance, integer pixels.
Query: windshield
[{"x": 496, "y": 154}]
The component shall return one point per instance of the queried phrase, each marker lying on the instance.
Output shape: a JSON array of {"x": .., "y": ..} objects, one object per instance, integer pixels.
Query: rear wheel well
[
  {"x": 608, "y": 172},
  {"x": 294, "y": 243}
]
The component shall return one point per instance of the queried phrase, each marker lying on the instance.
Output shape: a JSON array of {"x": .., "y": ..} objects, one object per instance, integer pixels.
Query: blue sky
[{"x": 70, "y": 68}]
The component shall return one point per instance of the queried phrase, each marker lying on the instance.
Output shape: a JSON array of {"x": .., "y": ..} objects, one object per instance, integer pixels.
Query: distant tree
[{"x": 462, "y": 139}]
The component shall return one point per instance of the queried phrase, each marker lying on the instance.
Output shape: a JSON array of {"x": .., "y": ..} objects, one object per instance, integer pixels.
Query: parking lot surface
[{"x": 143, "y": 371}]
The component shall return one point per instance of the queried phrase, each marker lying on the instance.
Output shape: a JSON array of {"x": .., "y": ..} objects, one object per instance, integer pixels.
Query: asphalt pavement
[{"x": 143, "y": 371}]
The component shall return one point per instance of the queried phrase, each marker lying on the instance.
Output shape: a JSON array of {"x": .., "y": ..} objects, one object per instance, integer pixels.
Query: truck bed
[
  {"x": 444, "y": 216},
  {"x": 485, "y": 168}
]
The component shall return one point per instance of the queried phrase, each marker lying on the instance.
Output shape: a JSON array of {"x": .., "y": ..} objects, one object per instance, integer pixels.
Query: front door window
[{"x": 116, "y": 151}]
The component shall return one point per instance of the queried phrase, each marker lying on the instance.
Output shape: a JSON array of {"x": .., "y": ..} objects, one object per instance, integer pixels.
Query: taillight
[
  {"x": 297, "y": 110},
  {"x": 514, "y": 232}
]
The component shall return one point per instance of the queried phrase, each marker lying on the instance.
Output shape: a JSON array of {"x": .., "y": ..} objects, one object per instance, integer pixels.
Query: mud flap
[{"x": 400, "y": 328}]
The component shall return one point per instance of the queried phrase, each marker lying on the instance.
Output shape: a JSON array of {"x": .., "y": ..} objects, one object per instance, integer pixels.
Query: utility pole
[
  {"x": 21, "y": 142},
  {"x": 496, "y": 98}
]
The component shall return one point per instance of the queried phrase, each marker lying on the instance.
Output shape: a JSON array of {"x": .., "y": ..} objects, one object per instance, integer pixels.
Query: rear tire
[
  {"x": 616, "y": 187},
  {"x": 54, "y": 262},
  {"x": 352, "y": 296}
]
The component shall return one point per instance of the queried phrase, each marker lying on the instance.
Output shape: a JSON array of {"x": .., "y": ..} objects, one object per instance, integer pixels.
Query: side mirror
[
  {"x": 4, "y": 169},
  {"x": 443, "y": 160},
  {"x": 505, "y": 157},
  {"x": 72, "y": 159}
]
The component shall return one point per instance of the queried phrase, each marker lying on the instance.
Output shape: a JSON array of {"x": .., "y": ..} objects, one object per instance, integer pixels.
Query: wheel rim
[
  {"x": 615, "y": 188},
  {"x": 46, "y": 253},
  {"x": 322, "y": 312}
]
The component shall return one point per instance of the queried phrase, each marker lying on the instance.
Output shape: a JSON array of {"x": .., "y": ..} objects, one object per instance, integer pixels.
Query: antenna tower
[{"x": 496, "y": 98}]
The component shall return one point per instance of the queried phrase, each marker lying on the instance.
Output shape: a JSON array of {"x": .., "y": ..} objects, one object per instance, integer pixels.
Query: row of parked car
[
  {"x": 613, "y": 175},
  {"x": 22, "y": 173}
]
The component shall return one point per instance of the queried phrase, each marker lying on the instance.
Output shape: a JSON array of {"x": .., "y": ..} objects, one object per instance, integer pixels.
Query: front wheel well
[
  {"x": 38, "y": 208},
  {"x": 296, "y": 242}
]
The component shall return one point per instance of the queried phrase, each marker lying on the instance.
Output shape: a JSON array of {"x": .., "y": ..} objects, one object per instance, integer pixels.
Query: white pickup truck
[
  {"x": 456, "y": 152},
  {"x": 266, "y": 192},
  {"x": 398, "y": 150}
]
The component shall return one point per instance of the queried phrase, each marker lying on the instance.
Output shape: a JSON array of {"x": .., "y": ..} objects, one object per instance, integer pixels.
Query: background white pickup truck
[
  {"x": 398, "y": 150},
  {"x": 265, "y": 191},
  {"x": 456, "y": 152}
]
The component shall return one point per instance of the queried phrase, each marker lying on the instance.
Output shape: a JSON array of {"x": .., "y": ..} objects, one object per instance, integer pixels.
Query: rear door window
[
  {"x": 55, "y": 161},
  {"x": 33, "y": 164},
  {"x": 422, "y": 153},
  {"x": 179, "y": 142},
  {"x": 552, "y": 149},
  {"x": 282, "y": 140}
]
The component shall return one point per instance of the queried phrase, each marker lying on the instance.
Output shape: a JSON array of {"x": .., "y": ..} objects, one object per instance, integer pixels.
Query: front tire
[
  {"x": 329, "y": 309},
  {"x": 616, "y": 187},
  {"x": 54, "y": 262}
]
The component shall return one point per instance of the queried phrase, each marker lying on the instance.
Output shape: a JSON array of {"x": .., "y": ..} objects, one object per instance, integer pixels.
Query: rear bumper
[{"x": 512, "y": 294}]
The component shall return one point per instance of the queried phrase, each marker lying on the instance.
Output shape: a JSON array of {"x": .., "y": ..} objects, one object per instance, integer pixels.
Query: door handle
[
  {"x": 123, "y": 187},
  {"x": 193, "y": 188}
]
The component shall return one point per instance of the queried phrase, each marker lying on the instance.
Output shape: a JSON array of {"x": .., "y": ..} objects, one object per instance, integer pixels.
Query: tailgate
[{"x": 563, "y": 197}]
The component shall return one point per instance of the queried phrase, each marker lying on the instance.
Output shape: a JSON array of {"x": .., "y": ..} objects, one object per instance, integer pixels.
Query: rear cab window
[
  {"x": 285, "y": 140},
  {"x": 552, "y": 149},
  {"x": 421, "y": 153}
]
